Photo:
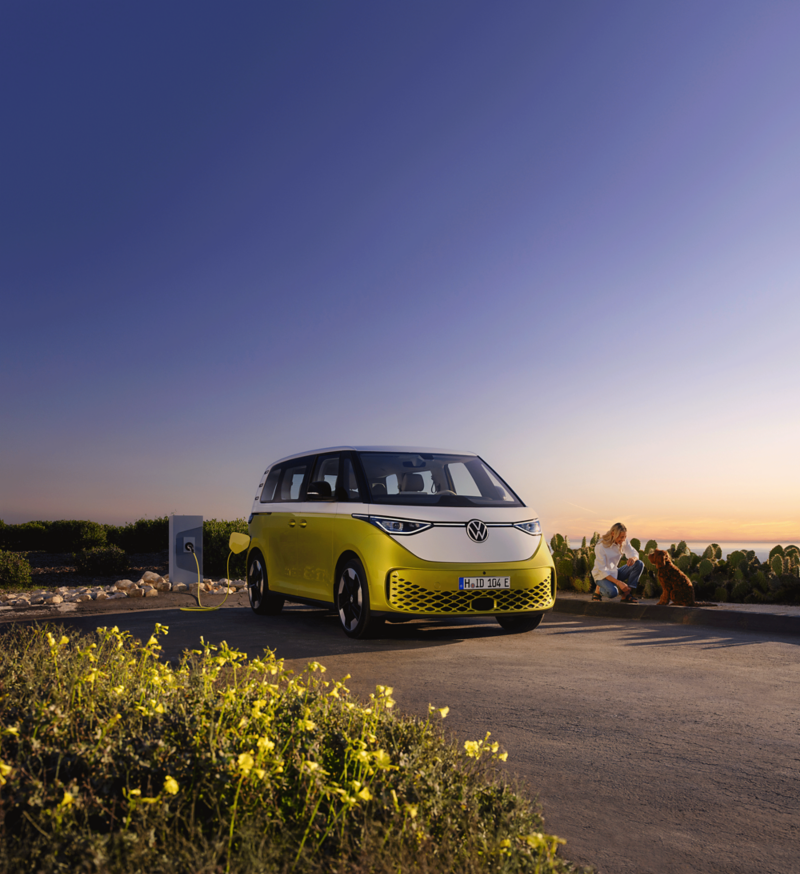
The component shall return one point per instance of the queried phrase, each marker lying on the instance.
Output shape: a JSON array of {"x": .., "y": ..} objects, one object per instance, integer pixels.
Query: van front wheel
[
  {"x": 352, "y": 601},
  {"x": 262, "y": 601},
  {"x": 518, "y": 624}
]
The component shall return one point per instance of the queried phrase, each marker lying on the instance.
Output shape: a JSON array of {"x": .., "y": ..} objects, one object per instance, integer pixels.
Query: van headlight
[
  {"x": 532, "y": 527},
  {"x": 395, "y": 526}
]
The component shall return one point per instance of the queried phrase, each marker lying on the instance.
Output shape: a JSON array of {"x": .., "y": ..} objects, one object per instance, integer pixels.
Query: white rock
[
  {"x": 124, "y": 585},
  {"x": 54, "y": 600},
  {"x": 100, "y": 596},
  {"x": 151, "y": 593},
  {"x": 238, "y": 584},
  {"x": 136, "y": 592},
  {"x": 84, "y": 596},
  {"x": 180, "y": 587}
]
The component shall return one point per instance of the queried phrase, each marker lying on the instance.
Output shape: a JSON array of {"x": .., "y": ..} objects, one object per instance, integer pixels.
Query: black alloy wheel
[
  {"x": 262, "y": 601},
  {"x": 518, "y": 624},
  {"x": 352, "y": 601}
]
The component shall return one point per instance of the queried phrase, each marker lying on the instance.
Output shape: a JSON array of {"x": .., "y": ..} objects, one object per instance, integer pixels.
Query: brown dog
[{"x": 677, "y": 587}]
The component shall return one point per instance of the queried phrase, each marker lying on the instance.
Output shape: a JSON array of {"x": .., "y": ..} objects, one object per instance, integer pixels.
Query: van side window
[
  {"x": 349, "y": 481},
  {"x": 327, "y": 471},
  {"x": 293, "y": 475},
  {"x": 268, "y": 492}
]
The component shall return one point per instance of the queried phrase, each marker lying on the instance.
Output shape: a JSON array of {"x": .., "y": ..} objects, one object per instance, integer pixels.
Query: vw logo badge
[{"x": 477, "y": 530}]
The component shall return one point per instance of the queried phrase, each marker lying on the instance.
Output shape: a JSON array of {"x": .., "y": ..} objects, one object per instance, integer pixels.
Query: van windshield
[{"x": 410, "y": 478}]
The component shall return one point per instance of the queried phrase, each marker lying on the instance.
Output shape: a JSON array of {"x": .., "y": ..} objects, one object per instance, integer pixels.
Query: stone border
[{"x": 149, "y": 586}]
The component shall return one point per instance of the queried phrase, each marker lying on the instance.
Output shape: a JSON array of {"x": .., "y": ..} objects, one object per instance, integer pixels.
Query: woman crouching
[{"x": 609, "y": 578}]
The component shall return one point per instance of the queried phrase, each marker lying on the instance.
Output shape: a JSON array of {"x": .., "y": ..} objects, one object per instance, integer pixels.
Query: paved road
[{"x": 654, "y": 748}]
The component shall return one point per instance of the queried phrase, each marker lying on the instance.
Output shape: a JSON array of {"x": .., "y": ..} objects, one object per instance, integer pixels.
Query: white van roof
[{"x": 414, "y": 449}]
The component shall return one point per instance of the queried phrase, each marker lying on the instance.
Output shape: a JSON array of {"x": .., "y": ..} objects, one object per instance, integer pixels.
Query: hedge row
[
  {"x": 75, "y": 535},
  {"x": 103, "y": 549}
]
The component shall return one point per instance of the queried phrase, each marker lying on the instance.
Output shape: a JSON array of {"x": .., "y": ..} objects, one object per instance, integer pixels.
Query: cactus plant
[
  {"x": 735, "y": 559},
  {"x": 721, "y": 594},
  {"x": 706, "y": 567},
  {"x": 776, "y": 562},
  {"x": 652, "y": 588},
  {"x": 760, "y": 581},
  {"x": 565, "y": 570}
]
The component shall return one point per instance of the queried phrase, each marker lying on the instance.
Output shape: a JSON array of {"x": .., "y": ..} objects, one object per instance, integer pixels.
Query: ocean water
[{"x": 761, "y": 548}]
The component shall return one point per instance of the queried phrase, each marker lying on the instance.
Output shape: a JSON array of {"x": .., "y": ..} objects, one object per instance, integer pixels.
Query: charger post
[{"x": 183, "y": 532}]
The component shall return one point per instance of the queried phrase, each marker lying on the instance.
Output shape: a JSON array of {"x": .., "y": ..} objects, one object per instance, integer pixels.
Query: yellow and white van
[{"x": 391, "y": 533}]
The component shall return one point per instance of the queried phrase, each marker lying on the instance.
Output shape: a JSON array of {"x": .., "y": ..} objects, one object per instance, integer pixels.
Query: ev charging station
[{"x": 185, "y": 538}]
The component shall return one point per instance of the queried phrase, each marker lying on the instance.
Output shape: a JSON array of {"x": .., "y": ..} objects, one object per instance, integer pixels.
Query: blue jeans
[{"x": 628, "y": 574}]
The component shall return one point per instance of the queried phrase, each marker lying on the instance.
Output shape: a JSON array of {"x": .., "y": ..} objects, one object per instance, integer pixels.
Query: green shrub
[
  {"x": 721, "y": 594},
  {"x": 26, "y": 537},
  {"x": 216, "y": 534},
  {"x": 74, "y": 535},
  {"x": 143, "y": 535},
  {"x": 113, "y": 761},
  {"x": 15, "y": 571},
  {"x": 101, "y": 561}
]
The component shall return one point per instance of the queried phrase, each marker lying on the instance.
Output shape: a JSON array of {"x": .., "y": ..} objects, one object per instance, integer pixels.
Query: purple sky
[{"x": 563, "y": 235}]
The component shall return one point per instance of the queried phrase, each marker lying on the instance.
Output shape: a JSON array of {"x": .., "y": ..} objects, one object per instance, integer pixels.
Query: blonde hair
[{"x": 613, "y": 532}]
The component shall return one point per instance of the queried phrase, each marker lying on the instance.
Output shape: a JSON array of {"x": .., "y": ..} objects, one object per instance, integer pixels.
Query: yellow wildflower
[
  {"x": 5, "y": 770},
  {"x": 171, "y": 785},
  {"x": 382, "y": 759}
]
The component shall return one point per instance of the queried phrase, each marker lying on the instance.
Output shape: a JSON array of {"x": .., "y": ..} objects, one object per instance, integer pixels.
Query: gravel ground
[{"x": 51, "y": 571}]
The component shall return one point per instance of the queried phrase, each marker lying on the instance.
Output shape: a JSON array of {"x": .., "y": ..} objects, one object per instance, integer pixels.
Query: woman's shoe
[
  {"x": 597, "y": 596},
  {"x": 630, "y": 598}
]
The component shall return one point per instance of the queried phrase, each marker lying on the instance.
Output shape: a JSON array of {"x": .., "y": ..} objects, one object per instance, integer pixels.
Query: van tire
[
  {"x": 518, "y": 624},
  {"x": 351, "y": 598},
  {"x": 262, "y": 601}
]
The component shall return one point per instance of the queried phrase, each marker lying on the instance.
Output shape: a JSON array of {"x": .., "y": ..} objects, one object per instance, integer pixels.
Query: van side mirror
[
  {"x": 319, "y": 491},
  {"x": 238, "y": 542}
]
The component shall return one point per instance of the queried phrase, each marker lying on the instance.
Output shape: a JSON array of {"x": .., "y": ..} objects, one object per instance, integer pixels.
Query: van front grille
[{"x": 412, "y": 597}]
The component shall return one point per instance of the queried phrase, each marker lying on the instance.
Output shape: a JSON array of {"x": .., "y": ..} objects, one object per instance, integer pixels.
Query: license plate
[{"x": 486, "y": 583}]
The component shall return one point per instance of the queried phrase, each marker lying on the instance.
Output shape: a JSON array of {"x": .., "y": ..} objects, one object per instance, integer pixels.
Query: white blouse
[{"x": 606, "y": 558}]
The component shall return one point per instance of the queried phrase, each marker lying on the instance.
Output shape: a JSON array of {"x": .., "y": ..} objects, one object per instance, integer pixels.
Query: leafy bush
[
  {"x": 216, "y": 534},
  {"x": 15, "y": 571},
  {"x": 143, "y": 535},
  {"x": 113, "y": 761},
  {"x": 26, "y": 537},
  {"x": 73, "y": 535},
  {"x": 101, "y": 561}
]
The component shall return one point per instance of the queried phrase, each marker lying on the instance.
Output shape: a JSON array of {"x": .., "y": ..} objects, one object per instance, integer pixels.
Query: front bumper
[{"x": 424, "y": 592}]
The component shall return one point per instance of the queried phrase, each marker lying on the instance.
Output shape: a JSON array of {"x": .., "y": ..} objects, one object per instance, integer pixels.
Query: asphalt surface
[{"x": 653, "y": 747}]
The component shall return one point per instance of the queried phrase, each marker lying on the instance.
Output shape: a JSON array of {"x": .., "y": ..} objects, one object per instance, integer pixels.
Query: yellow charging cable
[{"x": 238, "y": 543}]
